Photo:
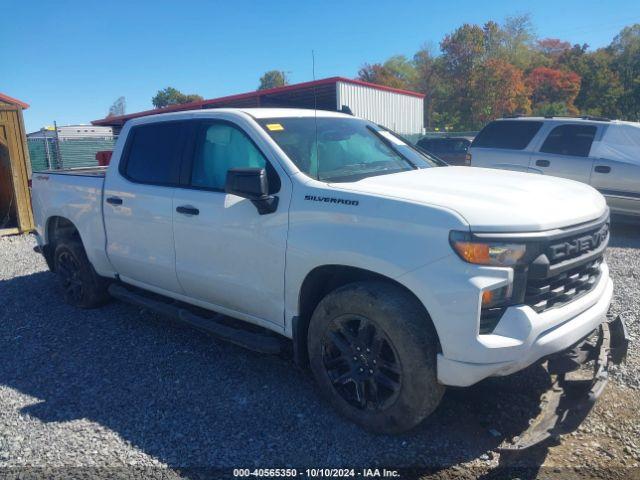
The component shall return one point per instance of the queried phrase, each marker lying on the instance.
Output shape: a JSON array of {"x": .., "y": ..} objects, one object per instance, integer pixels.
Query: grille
[
  {"x": 563, "y": 288},
  {"x": 573, "y": 246}
]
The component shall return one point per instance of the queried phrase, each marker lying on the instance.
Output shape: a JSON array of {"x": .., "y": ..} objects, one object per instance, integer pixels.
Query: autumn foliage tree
[
  {"x": 552, "y": 47},
  {"x": 497, "y": 88},
  {"x": 396, "y": 72},
  {"x": 552, "y": 87},
  {"x": 484, "y": 71}
]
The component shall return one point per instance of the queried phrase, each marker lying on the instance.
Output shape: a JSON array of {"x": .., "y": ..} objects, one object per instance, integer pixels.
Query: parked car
[
  {"x": 600, "y": 152},
  {"x": 452, "y": 150},
  {"x": 393, "y": 277}
]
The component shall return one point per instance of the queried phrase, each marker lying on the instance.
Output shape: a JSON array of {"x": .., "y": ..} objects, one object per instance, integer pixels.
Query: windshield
[{"x": 347, "y": 149}]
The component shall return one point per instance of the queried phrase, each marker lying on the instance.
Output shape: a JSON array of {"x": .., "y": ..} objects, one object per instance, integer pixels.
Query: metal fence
[
  {"x": 415, "y": 137},
  {"x": 50, "y": 153},
  {"x": 449, "y": 134}
]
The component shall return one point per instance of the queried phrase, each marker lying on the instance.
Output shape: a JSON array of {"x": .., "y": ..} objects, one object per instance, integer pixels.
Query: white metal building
[
  {"x": 399, "y": 110},
  {"x": 69, "y": 132}
]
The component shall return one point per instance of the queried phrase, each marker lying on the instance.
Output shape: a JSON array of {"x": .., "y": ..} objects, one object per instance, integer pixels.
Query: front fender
[{"x": 382, "y": 235}]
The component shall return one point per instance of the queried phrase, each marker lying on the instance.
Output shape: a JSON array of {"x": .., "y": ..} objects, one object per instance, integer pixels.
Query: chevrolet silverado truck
[{"x": 391, "y": 275}]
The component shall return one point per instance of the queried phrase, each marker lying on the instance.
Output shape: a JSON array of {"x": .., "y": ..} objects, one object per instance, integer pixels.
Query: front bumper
[
  {"x": 451, "y": 291},
  {"x": 523, "y": 337},
  {"x": 566, "y": 404}
]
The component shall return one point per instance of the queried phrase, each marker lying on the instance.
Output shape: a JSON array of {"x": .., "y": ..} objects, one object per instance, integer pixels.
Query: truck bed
[{"x": 76, "y": 195}]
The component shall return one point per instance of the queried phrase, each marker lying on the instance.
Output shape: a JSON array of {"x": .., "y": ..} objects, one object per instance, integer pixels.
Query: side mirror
[{"x": 251, "y": 183}]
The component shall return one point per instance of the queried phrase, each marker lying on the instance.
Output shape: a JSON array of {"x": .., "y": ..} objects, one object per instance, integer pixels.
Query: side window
[
  {"x": 153, "y": 154},
  {"x": 221, "y": 147},
  {"x": 574, "y": 140},
  {"x": 507, "y": 134}
]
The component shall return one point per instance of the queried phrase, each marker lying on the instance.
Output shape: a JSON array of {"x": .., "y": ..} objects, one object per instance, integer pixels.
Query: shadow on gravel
[
  {"x": 191, "y": 401},
  {"x": 625, "y": 234}
]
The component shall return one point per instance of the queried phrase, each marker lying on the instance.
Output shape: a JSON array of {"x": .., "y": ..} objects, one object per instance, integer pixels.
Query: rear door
[
  {"x": 619, "y": 182},
  {"x": 564, "y": 152},
  {"x": 228, "y": 254},
  {"x": 138, "y": 206},
  {"x": 503, "y": 144}
]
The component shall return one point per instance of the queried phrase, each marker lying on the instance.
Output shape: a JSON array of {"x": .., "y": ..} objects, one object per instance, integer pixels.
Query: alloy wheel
[{"x": 361, "y": 363}]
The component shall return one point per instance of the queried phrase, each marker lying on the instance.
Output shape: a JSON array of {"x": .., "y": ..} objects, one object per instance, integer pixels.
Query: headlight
[{"x": 486, "y": 252}]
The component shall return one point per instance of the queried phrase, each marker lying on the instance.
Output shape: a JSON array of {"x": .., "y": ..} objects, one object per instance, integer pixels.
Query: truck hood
[{"x": 492, "y": 200}]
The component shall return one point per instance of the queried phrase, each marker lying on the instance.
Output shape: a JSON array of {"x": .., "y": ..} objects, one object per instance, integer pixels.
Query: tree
[
  {"x": 518, "y": 38},
  {"x": 553, "y": 86},
  {"x": 172, "y": 96},
  {"x": 429, "y": 81},
  {"x": 463, "y": 49},
  {"x": 396, "y": 72},
  {"x": 625, "y": 49},
  {"x": 600, "y": 87},
  {"x": 497, "y": 88},
  {"x": 552, "y": 47},
  {"x": 273, "y": 79},
  {"x": 118, "y": 107}
]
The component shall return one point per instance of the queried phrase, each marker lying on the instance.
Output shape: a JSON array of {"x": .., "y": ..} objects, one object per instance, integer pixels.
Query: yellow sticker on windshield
[{"x": 275, "y": 127}]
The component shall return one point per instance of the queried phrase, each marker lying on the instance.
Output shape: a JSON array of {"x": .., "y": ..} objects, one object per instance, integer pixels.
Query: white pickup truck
[{"x": 394, "y": 276}]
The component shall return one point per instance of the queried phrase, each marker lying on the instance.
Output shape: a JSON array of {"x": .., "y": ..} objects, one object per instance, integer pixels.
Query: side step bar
[{"x": 259, "y": 342}]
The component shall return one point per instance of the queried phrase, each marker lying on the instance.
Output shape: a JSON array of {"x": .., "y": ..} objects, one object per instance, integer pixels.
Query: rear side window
[
  {"x": 153, "y": 153},
  {"x": 574, "y": 140},
  {"x": 512, "y": 135}
]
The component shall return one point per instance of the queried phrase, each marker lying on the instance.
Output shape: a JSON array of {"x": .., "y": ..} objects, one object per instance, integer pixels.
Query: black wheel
[
  {"x": 80, "y": 284},
  {"x": 372, "y": 350}
]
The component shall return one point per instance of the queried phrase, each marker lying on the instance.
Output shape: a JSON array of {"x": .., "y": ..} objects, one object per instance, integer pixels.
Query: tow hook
[{"x": 568, "y": 401}]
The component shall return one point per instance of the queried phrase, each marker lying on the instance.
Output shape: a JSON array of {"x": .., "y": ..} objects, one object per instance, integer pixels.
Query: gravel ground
[{"x": 119, "y": 387}]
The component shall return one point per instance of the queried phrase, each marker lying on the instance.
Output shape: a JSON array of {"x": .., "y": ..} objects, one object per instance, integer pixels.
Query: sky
[{"x": 70, "y": 59}]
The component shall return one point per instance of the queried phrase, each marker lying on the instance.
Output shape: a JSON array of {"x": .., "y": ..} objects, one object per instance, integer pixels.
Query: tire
[
  {"x": 81, "y": 286},
  {"x": 376, "y": 339}
]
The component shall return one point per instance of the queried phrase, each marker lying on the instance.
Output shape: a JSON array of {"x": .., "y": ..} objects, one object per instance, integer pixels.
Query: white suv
[{"x": 597, "y": 151}]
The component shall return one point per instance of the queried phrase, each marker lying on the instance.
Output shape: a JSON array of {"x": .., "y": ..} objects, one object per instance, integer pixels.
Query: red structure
[{"x": 321, "y": 94}]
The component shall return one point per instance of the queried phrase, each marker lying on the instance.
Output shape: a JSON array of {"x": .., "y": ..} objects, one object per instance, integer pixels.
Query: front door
[
  {"x": 138, "y": 206},
  {"x": 227, "y": 254}
]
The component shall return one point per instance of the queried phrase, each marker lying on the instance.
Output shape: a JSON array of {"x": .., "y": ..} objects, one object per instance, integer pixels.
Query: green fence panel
[{"x": 73, "y": 153}]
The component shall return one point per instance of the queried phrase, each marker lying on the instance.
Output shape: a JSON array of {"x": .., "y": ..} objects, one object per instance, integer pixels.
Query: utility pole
[
  {"x": 59, "y": 157},
  {"x": 47, "y": 151}
]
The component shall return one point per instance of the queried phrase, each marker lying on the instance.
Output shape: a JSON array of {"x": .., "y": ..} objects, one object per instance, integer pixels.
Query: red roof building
[{"x": 400, "y": 110}]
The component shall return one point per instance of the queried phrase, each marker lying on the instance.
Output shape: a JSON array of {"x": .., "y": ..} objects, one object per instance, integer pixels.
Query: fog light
[
  {"x": 494, "y": 303},
  {"x": 495, "y": 297}
]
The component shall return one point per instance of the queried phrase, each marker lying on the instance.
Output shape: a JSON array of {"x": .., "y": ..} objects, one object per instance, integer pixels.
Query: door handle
[
  {"x": 602, "y": 169},
  {"x": 114, "y": 200},
  {"x": 187, "y": 210},
  {"x": 543, "y": 163}
]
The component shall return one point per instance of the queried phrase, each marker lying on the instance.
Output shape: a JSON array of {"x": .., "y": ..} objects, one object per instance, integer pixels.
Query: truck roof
[
  {"x": 254, "y": 112},
  {"x": 560, "y": 118}
]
